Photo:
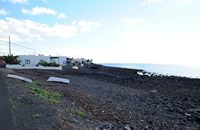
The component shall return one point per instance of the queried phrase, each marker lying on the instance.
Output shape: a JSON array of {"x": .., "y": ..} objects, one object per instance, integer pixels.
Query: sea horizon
[{"x": 163, "y": 69}]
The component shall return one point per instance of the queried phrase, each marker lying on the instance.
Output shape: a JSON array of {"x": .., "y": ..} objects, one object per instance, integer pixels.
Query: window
[{"x": 27, "y": 61}]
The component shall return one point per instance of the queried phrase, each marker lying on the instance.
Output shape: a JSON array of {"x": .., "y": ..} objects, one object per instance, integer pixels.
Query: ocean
[{"x": 175, "y": 70}]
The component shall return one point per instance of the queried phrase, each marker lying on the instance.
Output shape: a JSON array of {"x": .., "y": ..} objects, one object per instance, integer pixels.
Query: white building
[{"x": 32, "y": 60}]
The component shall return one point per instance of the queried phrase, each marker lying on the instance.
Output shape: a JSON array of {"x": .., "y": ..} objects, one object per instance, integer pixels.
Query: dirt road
[{"x": 6, "y": 118}]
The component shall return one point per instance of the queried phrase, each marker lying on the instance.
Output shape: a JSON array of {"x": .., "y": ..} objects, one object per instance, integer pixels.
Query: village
[
  {"x": 53, "y": 92},
  {"x": 99, "y": 65},
  {"x": 47, "y": 62}
]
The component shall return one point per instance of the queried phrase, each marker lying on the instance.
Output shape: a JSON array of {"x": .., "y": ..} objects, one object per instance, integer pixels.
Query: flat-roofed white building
[{"x": 33, "y": 60}]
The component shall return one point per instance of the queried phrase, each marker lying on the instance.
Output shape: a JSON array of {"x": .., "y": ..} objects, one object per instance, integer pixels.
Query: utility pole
[{"x": 9, "y": 46}]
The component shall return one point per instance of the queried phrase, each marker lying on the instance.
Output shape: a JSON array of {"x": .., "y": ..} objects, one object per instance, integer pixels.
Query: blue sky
[{"x": 128, "y": 31}]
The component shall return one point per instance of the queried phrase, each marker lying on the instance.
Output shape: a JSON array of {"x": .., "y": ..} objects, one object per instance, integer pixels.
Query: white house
[{"x": 32, "y": 60}]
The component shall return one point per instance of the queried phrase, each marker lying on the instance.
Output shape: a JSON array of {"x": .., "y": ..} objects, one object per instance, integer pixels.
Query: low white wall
[
  {"x": 32, "y": 67},
  {"x": 13, "y": 66}
]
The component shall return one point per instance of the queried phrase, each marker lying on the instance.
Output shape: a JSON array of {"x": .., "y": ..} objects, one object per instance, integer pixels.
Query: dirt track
[
  {"x": 6, "y": 117},
  {"x": 117, "y": 96}
]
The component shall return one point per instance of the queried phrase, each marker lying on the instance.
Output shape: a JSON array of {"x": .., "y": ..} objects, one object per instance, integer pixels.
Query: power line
[
  {"x": 19, "y": 45},
  {"x": 22, "y": 46},
  {"x": 32, "y": 49},
  {"x": 3, "y": 41}
]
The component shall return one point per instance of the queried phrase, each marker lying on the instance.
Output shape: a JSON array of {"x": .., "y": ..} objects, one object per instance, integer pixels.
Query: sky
[{"x": 107, "y": 31}]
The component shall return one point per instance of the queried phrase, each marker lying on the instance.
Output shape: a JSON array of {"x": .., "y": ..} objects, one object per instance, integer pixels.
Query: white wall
[
  {"x": 33, "y": 67},
  {"x": 34, "y": 60},
  {"x": 63, "y": 60}
]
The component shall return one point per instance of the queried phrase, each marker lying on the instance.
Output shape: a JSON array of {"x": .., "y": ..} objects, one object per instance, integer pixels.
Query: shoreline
[{"x": 160, "y": 69}]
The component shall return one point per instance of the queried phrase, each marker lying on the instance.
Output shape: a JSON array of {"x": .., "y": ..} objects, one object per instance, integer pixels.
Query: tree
[{"x": 10, "y": 59}]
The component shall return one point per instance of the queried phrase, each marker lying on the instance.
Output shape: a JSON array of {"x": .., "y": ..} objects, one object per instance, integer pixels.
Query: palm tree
[{"x": 10, "y": 59}]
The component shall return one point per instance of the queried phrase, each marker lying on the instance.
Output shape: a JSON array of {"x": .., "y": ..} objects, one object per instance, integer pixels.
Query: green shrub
[
  {"x": 52, "y": 64},
  {"x": 52, "y": 98},
  {"x": 10, "y": 59}
]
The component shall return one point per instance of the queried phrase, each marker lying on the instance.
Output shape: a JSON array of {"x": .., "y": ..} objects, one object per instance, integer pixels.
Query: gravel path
[{"x": 6, "y": 118}]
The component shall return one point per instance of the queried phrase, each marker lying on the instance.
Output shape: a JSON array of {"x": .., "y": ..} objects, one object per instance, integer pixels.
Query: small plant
[
  {"x": 44, "y": 94},
  {"x": 81, "y": 114},
  {"x": 37, "y": 115},
  {"x": 13, "y": 103},
  {"x": 54, "y": 64}
]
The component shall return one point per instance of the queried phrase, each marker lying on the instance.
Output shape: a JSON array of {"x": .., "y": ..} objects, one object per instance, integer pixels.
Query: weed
[
  {"x": 81, "y": 114},
  {"x": 37, "y": 115},
  {"x": 13, "y": 103},
  {"x": 64, "y": 119},
  {"x": 44, "y": 94}
]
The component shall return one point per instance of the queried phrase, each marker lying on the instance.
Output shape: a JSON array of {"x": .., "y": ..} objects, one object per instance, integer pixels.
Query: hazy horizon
[
  {"x": 163, "y": 69},
  {"x": 123, "y": 31}
]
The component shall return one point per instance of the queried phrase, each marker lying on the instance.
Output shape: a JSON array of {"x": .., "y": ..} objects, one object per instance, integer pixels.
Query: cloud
[
  {"x": 85, "y": 26},
  {"x": 151, "y": 1},
  {"x": 39, "y": 11},
  {"x": 143, "y": 2},
  {"x": 184, "y": 1},
  {"x": 43, "y": 10},
  {"x": 61, "y": 16},
  {"x": 131, "y": 22},
  {"x": 21, "y": 1},
  {"x": 3, "y": 49},
  {"x": 18, "y": 1},
  {"x": 3, "y": 12},
  {"x": 27, "y": 30}
]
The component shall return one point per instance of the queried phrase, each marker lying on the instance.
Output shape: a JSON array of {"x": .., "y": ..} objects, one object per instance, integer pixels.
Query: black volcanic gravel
[{"x": 122, "y": 97}]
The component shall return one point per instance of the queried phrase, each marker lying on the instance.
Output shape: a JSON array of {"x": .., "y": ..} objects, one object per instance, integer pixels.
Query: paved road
[{"x": 6, "y": 118}]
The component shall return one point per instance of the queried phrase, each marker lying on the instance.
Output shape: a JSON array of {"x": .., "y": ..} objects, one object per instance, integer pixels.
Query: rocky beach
[{"x": 103, "y": 98}]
